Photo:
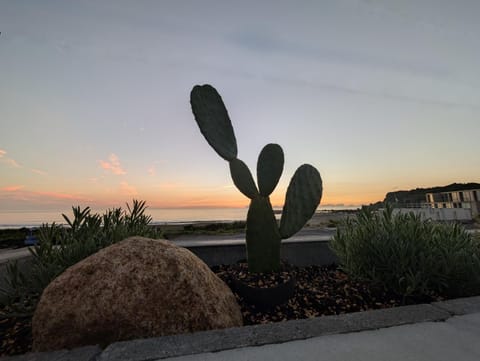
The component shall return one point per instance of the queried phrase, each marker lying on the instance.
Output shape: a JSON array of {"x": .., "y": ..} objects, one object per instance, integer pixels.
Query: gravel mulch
[
  {"x": 15, "y": 335},
  {"x": 319, "y": 291}
]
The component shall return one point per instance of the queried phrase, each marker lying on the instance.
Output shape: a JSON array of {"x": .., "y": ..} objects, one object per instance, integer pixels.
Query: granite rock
[{"x": 136, "y": 288}]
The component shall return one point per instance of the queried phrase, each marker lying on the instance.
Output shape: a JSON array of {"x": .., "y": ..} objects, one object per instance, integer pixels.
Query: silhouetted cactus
[{"x": 304, "y": 192}]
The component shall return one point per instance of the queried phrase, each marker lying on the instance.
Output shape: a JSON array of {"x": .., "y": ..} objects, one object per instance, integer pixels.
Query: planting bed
[{"x": 319, "y": 291}]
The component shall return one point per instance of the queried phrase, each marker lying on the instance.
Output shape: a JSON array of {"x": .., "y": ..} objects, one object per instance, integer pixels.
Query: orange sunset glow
[{"x": 95, "y": 100}]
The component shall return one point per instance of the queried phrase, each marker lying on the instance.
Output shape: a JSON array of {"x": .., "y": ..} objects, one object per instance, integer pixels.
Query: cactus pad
[
  {"x": 243, "y": 179},
  {"x": 269, "y": 168},
  {"x": 213, "y": 120},
  {"x": 303, "y": 197}
]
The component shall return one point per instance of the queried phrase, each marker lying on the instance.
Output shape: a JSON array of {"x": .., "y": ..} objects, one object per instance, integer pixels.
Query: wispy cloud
[
  {"x": 96, "y": 180},
  {"x": 59, "y": 195},
  {"x": 127, "y": 189},
  {"x": 38, "y": 171},
  {"x": 113, "y": 165},
  {"x": 17, "y": 193},
  {"x": 370, "y": 93},
  {"x": 12, "y": 188},
  {"x": 264, "y": 41},
  {"x": 152, "y": 171},
  {"x": 11, "y": 162}
]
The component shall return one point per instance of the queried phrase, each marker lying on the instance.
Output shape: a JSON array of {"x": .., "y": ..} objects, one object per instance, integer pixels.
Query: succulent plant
[{"x": 263, "y": 234}]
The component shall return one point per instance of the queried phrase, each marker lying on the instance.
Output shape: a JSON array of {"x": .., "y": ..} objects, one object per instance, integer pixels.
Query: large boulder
[{"x": 136, "y": 288}]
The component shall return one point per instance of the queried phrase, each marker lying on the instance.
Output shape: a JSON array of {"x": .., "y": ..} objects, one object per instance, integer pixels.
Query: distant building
[
  {"x": 466, "y": 199},
  {"x": 463, "y": 215}
]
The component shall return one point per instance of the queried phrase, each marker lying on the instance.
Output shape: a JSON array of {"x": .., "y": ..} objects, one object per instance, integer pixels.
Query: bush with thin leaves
[
  {"x": 407, "y": 255},
  {"x": 60, "y": 247}
]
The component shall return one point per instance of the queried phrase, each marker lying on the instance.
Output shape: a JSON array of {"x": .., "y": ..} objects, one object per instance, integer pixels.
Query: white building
[
  {"x": 439, "y": 214},
  {"x": 461, "y": 206},
  {"x": 466, "y": 199}
]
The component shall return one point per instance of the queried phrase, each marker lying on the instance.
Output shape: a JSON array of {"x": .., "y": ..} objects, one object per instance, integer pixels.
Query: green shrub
[
  {"x": 409, "y": 256},
  {"x": 61, "y": 247}
]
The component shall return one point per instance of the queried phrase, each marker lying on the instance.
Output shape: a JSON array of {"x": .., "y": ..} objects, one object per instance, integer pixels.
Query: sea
[{"x": 32, "y": 219}]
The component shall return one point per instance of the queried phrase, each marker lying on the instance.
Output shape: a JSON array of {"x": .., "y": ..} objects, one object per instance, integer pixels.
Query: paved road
[{"x": 12, "y": 254}]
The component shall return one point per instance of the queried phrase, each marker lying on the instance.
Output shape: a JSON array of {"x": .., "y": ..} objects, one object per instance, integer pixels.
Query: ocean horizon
[{"x": 20, "y": 218}]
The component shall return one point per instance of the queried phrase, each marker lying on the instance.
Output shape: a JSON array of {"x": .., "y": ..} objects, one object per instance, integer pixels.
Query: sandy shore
[{"x": 328, "y": 219}]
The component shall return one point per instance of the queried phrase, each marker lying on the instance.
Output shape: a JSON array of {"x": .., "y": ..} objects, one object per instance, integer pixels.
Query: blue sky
[{"x": 94, "y": 97}]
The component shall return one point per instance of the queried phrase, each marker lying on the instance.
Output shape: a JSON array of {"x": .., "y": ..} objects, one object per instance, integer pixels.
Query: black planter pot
[{"x": 265, "y": 298}]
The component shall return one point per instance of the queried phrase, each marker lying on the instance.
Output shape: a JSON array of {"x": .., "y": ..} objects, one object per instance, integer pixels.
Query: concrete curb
[
  {"x": 218, "y": 340},
  {"x": 460, "y": 306},
  {"x": 302, "y": 251},
  {"x": 87, "y": 353}
]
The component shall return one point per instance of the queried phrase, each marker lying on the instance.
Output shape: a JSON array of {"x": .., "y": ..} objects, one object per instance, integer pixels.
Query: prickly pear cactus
[
  {"x": 263, "y": 235},
  {"x": 213, "y": 120}
]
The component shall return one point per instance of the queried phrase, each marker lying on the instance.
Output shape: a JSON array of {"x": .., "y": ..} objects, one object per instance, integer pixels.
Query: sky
[{"x": 94, "y": 97}]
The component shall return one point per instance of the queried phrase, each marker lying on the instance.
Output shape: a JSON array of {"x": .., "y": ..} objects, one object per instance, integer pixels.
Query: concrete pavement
[
  {"x": 13, "y": 254},
  {"x": 447, "y": 330},
  {"x": 458, "y": 338}
]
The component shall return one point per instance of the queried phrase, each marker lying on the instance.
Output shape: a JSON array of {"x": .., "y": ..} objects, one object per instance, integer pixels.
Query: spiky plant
[{"x": 263, "y": 235}]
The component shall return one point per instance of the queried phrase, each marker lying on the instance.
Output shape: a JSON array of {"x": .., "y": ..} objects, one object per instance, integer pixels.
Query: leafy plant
[
  {"x": 60, "y": 247},
  {"x": 407, "y": 255},
  {"x": 263, "y": 235}
]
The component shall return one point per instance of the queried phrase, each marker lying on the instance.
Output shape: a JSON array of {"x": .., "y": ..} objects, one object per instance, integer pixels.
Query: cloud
[
  {"x": 11, "y": 162},
  {"x": 38, "y": 171},
  {"x": 63, "y": 47},
  {"x": 95, "y": 180},
  {"x": 151, "y": 170},
  {"x": 128, "y": 189},
  {"x": 113, "y": 165},
  {"x": 376, "y": 94},
  {"x": 58, "y": 195},
  {"x": 16, "y": 193},
  {"x": 11, "y": 188}
]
